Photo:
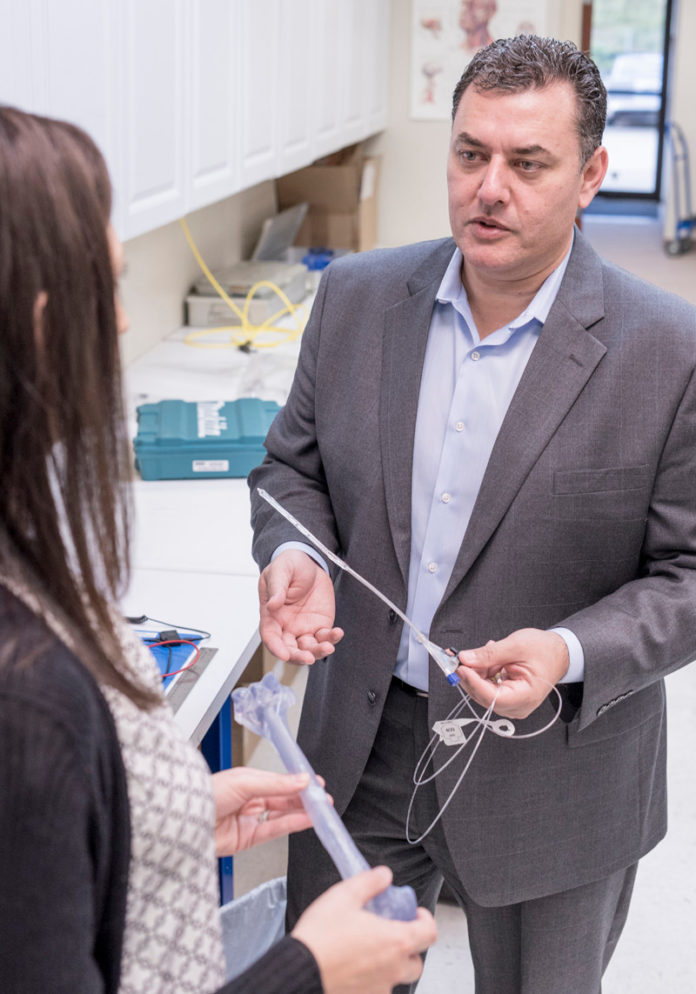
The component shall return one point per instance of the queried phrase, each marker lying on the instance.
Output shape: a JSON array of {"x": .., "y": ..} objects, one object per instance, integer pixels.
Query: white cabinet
[
  {"x": 328, "y": 81},
  {"x": 213, "y": 132},
  {"x": 353, "y": 39},
  {"x": 17, "y": 54},
  {"x": 258, "y": 87},
  {"x": 61, "y": 60},
  {"x": 156, "y": 154},
  {"x": 193, "y": 100},
  {"x": 350, "y": 50},
  {"x": 375, "y": 65},
  {"x": 296, "y": 86}
]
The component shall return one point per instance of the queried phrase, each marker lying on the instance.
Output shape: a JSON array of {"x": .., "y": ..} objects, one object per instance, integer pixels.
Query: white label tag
[
  {"x": 450, "y": 732},
  {"x": 210, "y": 423},
  {"x": 368, "y": 181},
  {"x": 210, "y": 465}
]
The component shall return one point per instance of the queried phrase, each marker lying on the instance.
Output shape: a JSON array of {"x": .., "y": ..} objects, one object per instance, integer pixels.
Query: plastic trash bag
[{"x": 252, "y": 924}]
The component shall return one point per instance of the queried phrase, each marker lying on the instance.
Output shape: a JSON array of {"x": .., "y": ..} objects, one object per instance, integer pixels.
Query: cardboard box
[{"x": 341, "y": 191}]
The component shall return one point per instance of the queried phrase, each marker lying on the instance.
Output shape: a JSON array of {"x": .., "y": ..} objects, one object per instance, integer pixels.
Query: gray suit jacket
[{"x": 586, "y": 518}]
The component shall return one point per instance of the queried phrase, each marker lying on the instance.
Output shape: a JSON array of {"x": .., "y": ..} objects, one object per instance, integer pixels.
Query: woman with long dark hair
[{"x": 109, "y": 819}]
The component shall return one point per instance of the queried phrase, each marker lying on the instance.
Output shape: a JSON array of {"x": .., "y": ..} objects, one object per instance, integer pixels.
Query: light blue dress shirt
[{"x": 466, "y": 389}]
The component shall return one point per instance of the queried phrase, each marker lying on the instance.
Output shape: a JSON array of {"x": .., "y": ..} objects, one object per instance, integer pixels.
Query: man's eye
[{"x": 526, "y": 166}]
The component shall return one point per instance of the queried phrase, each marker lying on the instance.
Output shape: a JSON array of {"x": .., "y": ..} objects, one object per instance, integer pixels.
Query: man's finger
[{"x": 486, "y": 658}]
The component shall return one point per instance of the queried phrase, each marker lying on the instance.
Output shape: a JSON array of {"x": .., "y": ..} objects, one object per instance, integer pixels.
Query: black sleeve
[
  {"x": 48, "y": 863},
  {"x": 287, "y": 968}
]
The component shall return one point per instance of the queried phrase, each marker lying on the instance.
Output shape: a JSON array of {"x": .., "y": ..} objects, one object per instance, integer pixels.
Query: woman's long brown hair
[{"x": 64, "y": 456}]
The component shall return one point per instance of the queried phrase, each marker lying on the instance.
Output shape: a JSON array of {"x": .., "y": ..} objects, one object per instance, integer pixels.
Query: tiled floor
[{"x": 655, "y": 955}]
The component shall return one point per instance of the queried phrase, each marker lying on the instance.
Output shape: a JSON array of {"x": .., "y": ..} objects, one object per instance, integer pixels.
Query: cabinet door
[
  {"x": 64, "y": 56},
  {"x": 258, "y": 26},
  {"x": 350, "y": 41},
  {"x": 355, "y": 19},
  {"x": 376, "y": 64},
  {"x": 295, "y": 86},
  {"x": 325, "y": 32},
  {"x": 213, "y": 133},
  {"x": 18, "y": 53},
  {"x": 156, "y": 154}
]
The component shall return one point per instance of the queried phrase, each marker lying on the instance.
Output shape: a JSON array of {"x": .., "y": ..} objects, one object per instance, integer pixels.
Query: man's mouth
[{"x": 488, "y": 222}]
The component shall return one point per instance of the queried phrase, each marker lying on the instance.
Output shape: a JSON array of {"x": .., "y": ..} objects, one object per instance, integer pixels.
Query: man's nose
[{"x": 494, "y": 183}]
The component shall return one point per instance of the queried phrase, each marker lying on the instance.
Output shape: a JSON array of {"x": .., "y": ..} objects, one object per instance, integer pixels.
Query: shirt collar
[{"x": 452, "y": 291}]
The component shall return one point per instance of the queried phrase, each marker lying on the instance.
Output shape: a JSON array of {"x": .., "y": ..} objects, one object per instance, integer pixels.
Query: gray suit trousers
[{"x": 556, "y": 944}]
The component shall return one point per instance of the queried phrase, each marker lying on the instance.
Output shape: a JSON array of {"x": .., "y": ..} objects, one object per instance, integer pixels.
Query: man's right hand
[{"x": 297, "y": 608}]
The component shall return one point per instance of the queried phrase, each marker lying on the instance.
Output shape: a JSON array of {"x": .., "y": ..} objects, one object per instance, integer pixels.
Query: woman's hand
[
  {"x": 254, "y": 806},
  {"x": 356, "y": 951}
]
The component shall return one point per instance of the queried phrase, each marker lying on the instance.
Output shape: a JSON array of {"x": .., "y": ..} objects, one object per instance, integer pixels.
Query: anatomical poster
[{"x": 445, "y": 35}]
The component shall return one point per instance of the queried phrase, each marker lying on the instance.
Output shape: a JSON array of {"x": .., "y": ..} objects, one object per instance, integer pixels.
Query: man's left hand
[{"x": 517, "y": 672}]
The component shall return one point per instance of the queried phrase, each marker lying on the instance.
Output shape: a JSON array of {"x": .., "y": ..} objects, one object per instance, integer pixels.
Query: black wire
[{"x": 189, "y": 628}]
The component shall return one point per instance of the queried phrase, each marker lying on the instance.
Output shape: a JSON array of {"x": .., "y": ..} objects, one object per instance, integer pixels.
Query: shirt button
[
  {"x": 446, "y": 498},
  {"x": 475, "y": 356},
  {"x": 459, "y": 426},
  {"x": 432, "y": 567}
]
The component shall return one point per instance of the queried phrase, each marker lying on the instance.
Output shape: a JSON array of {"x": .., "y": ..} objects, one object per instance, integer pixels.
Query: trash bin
[{"x": 252, "y": 924}]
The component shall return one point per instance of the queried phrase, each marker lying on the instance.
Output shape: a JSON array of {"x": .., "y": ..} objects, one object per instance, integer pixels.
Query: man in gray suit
[{"x": 500, "y": 433}]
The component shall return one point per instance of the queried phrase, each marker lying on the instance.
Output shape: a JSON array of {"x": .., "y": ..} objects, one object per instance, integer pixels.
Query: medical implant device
[
  {"x": 261, "y": 707},
  {"x": 448, "y": 664},
  {"x": 453, "y": 731}
]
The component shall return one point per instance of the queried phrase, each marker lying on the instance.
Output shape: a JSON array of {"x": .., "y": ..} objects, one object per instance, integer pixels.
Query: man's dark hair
[{"x": 529, "y": 62}]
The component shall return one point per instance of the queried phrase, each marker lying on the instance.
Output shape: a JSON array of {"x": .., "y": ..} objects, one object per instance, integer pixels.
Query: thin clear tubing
[
  {"x": 448, "y": 664},
  {"x": 261, "y": 707}
]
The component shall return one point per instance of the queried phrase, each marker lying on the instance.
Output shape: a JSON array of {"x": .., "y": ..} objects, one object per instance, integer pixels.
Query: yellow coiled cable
[{"x": 247, "y": 333}]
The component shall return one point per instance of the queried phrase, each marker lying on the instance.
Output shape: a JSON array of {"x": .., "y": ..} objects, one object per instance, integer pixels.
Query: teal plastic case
[{"x": 182, "y": 440}]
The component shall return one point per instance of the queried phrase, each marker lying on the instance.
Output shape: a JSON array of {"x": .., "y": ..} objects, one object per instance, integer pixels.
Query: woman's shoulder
[{"x": 43, "y": 682}]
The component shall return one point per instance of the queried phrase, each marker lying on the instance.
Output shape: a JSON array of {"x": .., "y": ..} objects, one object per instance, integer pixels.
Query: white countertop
[{"x": 191, "y": 553}]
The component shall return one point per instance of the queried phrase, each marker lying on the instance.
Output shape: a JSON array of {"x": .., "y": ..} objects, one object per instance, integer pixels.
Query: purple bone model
[{"x": 261, "y": 707}]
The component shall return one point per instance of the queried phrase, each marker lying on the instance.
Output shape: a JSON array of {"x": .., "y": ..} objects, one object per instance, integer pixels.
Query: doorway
[{"x": 629, "y": 41}]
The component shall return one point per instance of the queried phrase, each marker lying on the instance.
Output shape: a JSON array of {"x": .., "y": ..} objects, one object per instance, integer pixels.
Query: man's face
[{"x": 515, "y": 182}]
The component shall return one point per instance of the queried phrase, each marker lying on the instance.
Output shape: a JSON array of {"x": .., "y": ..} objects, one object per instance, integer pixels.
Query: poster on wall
[{"x": 445, "y": 35}]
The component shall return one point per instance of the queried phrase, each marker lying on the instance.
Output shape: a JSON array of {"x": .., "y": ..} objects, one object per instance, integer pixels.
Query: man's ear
[{"x": 593, "y": 173}]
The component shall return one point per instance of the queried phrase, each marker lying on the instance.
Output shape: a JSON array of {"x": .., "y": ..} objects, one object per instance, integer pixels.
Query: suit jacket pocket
[
  {"x": 612, "y": 494},
  {"x": 585, "y": 481},
  {"x": 625, "y": 716}
]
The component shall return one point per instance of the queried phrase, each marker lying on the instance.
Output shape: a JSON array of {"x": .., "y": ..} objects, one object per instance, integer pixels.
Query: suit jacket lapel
[
  {"x": 406, "y": 326},
  {"x": 563, "y": 360}
]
